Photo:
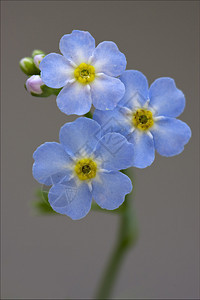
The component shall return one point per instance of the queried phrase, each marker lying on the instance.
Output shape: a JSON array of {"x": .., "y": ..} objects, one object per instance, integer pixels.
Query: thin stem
[
  {"x": 127, "y": 237},
  {"x": 111, "y": 272}
]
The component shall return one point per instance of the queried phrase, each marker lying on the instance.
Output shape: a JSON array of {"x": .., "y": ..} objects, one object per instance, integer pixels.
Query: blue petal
[
  {"x": 170, "y": 136},
  {"x": 113, "y": 121},
  {"x": 74, "y": 98},
  {"x": 80, "y": 136},
  {"x": 77, "y": 46},
  {"x": 52, "y": 164},
  {"x": 136, "y": 86},
  {"x": 165, "y": 98},
  {"x": 71, "y": 199},
  {"x": 115, "y": 152},
  {"x": 110, "y": 190},
  {"x": 106, "y": 92},
  {"x": 108, "y": 59},
  {"x": 144, "y": 150},
  {"x": 56, "y": 71}
]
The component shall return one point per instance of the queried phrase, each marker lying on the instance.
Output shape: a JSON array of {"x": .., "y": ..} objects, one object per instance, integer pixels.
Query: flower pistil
[
  {"x": 143, "y": 119},
  {"x": 84, "y": 73},
  {"x": 85, "y": 168}
]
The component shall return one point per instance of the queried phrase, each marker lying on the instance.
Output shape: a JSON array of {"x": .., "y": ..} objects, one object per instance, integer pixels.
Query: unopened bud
[
  {"x": 28, "y": 67},
  {"x": 33, "y": 84},
  {"x": 37, "y": 52},
  {"x": 37, "y": 59}
]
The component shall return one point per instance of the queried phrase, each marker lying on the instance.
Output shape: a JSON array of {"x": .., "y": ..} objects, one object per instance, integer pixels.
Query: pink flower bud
[
  {"x": 33, "y": 84},
  {"x": 37, "y": 59}
]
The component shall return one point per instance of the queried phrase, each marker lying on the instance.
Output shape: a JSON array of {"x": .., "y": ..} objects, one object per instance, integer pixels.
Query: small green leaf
[
  {"x": 42, "y": 204},
  {"x": 88, "y": 115}
]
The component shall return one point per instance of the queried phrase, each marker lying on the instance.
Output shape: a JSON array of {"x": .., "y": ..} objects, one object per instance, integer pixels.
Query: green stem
[
  {"x": 128, "y": 234},
  {"x": 111, "y": 273}
]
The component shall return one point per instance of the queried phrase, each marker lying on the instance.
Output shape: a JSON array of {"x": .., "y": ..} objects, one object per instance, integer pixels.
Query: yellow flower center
[
  {"x": 84, "y": 73},
  {"x": 85, "y": 169},
  {"x": 143, "y": 119}
]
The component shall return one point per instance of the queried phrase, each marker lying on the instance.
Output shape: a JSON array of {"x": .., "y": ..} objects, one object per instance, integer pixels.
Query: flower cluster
[{"x": 130, "y": 122}]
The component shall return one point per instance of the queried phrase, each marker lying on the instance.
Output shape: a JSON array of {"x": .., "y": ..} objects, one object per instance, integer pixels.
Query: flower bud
[
  {"x": 37, "y": 52},
  {"x": 37, "y": 59},
  {"x": 27, "y": 66},
  {"x": 33, "y": 84}
]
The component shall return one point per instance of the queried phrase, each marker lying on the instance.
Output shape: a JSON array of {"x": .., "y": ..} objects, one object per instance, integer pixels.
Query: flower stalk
[{"x": 127, "y": 238}]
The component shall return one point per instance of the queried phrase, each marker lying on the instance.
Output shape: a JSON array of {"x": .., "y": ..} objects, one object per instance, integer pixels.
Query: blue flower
[
  {"x": 87, "y": 74},
  {"x": 84, "y": 165},
  {"x": 147, "y": 118}
]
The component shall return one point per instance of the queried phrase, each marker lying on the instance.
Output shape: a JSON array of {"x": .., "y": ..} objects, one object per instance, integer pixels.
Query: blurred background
[{"x": 53, "y": 256}]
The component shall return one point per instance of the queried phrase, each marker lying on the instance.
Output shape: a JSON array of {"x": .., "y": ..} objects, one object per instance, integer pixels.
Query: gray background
[{"x": 53, "y": 256}]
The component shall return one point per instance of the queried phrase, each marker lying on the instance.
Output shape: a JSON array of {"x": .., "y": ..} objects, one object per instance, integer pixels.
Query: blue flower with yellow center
[
  {"x": 86, "y": 74},
  {"x": 147, "y": 118},
  {"x": 84, "y": 165}
]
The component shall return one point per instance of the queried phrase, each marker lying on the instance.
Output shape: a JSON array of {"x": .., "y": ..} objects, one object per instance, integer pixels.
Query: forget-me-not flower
[
  {"x": 84, "y": 165},
  {"x": 147, "y": 117},
  {"x": 86, "y": 74}
]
